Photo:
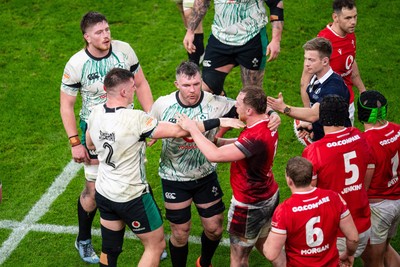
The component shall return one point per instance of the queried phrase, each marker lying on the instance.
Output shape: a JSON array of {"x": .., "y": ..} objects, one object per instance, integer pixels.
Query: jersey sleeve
[
  {"x": 145, "y": 123},
  {"x": 248, "y": 144},
  {"x": 278, "y": 223},
  {"x": 344, "y": 211},
  {"x": 309, "y": 154},
  {"x": 71, "y": 80},
  {"x": 133, "y": 60}
]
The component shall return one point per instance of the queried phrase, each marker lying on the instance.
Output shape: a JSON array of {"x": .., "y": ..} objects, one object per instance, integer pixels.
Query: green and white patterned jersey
[
  {"x": 85, "y": 74},
  {"x": 180, "y": 158},
  {"x": 238, "y": 21},
  {"x": 119, "y": 137}
]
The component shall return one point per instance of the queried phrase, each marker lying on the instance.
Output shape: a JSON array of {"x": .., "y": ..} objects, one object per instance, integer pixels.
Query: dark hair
[
  {"x": 91, "y": 18},
  {"x": 333, "y": 111},
  {"x": 300, "y": 170},
  {"x": 339, "y": 4},
  {"x": 255, "y": 97},
  {"x": 371, "y": 107},
  {"x": 320, "y": 44},
  {"x": 115, "y": 77},
  {"x": 187, "y": 68}
]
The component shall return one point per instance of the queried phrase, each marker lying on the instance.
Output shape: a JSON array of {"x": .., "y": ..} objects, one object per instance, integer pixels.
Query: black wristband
[
  {"x": 270, "y": 112},
  {"x": 211, "y": 124}
]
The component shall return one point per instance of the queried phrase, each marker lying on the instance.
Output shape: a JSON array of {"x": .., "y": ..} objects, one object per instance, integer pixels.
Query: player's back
[
  {"x": 311, "y": 220},
  {"x": 340, "y": 162},
  {"x": 385, "y": 144}
]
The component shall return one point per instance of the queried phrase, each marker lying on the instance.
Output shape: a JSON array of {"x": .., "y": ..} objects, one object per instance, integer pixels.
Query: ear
[
  {"x": 87, "y": 37},
  {"x": 289, "y": 181},
  {"x": 325, "y": 61},
  {"x": 176, "y": 84},
  {"x": 122, "y": 92},
  {"x": 249, "y": 111},
  {"x": 335, "y": 16}
]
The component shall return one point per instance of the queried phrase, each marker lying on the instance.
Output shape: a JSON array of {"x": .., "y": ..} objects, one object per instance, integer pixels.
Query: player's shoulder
[
  {"x": 96, "y": 110},
  {"x": 217, "y": 99},
  {"x": 326, "y": 32},
  {"x": 119, "y": 43},
  {"x": 78, "y": 59},
  {"x": 335, "y": 81},
  {"x": 121, "y": 46},
  {"x": 165, "y": 99}
]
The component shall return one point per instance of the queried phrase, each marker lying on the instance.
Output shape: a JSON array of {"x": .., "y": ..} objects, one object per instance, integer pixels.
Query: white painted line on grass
[
  {"x": 20, "y": 229},
  {"x": 40, "y": 208},
  {"x": 61, "y": 229}
]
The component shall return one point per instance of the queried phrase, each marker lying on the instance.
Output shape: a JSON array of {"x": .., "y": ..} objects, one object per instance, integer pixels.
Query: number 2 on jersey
[{"x": 109, "y": 155}]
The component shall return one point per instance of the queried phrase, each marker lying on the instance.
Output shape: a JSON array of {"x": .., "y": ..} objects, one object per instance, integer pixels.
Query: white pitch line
[
  {"x": 40, "y": 208},
  {"x": 62, "y": 229},
  {"x": 21, "y": 229}
]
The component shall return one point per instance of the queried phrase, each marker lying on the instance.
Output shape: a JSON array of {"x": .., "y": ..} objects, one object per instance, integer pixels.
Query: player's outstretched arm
[{"x": 213, "y": 153}]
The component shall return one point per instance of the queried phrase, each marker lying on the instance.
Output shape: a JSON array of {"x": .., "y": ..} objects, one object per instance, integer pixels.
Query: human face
[
  {"x": 346, "y": 21},
  {"x": 189, "y": 89},
  {"x": 313, "y": 62},
  {"x": 241, "y": 107},
  {"x": 98, "y": 38}
]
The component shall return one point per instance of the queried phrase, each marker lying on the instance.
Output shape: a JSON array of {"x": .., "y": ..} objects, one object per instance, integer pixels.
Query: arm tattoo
[
  {"x": 251, "y": 77},
  {"x": 277, "y": 24},
  {"x": 199, "y": 10}
]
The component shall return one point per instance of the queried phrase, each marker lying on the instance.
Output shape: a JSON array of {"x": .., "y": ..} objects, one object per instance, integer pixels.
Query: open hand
[{"x": 276, "y": 103}]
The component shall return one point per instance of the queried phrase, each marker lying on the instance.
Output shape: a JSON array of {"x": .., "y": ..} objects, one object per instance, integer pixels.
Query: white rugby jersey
[
  {"x": 85, "y": 74},
  {"x": 230, "y": 28},
  {"x": 119, "y": 137},
  {"x": 180, "y": 158}
]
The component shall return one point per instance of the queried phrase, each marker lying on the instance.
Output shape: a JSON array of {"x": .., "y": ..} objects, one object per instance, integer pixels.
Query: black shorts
[
  {"x": 141, "y": 214},
  {"x": 250, "y": 55},
  {"x": 204, "y": 190}
]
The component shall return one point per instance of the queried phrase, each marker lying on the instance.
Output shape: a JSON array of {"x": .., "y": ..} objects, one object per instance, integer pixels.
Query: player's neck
[
  {"x": 332, "y": 129},
  {"x": 301, "y": 189},
  {"x": 251, "y": 120},
  {"x": 97, "y": 52},
  {"x": 378, "y": 124},
  {"x": 335, "y": 27},
  {"x": 115, "y": 103},
  {"x": 324, "y": 71}
]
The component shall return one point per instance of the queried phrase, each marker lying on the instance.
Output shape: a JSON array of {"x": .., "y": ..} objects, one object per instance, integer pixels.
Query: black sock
[
  {"x": 199, "y": 43},
  {"x": 178, "y": 255},
  {"x": 85, "y": 220},
  {"x": 208, "y": 248}
]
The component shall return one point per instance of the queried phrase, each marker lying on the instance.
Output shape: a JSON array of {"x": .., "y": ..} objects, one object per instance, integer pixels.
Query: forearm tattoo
[{"x": 200, "y": 8}]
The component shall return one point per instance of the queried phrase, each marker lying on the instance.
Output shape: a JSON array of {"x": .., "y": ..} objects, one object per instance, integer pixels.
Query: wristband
[
  {"x": 270, "y": 112},
  {"x": 74, "y": 140},
  {"x": 211, "y": 124}
]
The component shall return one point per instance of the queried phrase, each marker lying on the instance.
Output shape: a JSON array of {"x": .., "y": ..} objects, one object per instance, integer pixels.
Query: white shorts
[
  {"x": 363, "y": 241},
  {"x": 385, "y": 219},
  {"x": 249, "y": 222},
  {"x": 186, "y": 4},
  {"x": 352, "y": 109},
  {"x": 91, "y": 172}
]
